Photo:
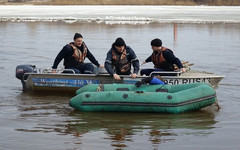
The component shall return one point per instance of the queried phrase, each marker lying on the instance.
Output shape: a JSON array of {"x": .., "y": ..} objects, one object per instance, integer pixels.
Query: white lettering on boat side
[
  {"x": 62, "y": 82},
  {"x": 186, "y": 81}
]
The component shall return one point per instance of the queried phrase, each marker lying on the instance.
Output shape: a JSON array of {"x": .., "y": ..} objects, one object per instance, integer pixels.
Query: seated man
[
  {"x": 74, "y": 55},
  {"x": 162, "y": 58},
  {"x": 121, "y": 57}
]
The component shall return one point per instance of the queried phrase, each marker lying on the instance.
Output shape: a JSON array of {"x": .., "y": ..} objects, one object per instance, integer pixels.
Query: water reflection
[
  {"x": 123, "y": 127},
  {"x": 48, "y": 113},
  {"x": 175, "y": 31}
]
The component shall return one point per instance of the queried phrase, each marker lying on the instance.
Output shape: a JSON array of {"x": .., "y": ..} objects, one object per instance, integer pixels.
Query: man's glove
[
  {"x": 146, "y": 80},
  {"x": 143, "y": 81},
  {"x": 138, "y": 84}
]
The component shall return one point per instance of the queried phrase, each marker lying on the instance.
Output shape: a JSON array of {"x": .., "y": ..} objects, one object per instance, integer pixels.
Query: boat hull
[
  {"x": 128, "y": 98},
  {"x": 71, "y": 82}
]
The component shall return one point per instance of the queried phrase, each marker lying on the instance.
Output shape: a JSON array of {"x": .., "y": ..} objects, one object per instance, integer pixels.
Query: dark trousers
[{"x": 85, "y": 68}]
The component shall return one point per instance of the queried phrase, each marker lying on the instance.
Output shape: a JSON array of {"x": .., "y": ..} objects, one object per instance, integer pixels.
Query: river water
[{"x": 46, "y": 121}]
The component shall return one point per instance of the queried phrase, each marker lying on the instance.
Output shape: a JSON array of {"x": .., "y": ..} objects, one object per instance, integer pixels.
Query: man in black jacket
[
  {"x": 121, "y": 57},
  {"x": 162, "y": 58},
  {"x": 74, "y": 55}
]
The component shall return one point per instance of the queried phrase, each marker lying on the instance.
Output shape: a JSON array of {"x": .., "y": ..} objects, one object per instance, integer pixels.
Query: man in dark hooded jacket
[{"x": 121, "y": 57}]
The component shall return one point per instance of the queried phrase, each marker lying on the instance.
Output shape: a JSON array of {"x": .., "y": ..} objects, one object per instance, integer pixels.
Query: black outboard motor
[{"x": 22, "y": 69}]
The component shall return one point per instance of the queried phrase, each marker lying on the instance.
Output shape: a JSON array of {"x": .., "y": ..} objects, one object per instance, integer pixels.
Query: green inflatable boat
[{"x": 147, "y": 98}]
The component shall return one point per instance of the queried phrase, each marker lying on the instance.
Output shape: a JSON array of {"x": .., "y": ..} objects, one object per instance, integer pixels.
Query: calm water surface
[{"x": 46, "y": 121}]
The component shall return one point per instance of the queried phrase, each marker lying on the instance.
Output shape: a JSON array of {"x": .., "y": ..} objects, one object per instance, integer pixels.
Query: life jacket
[
  {"x": 121, "y": 61},
  {"x": 78, "y": 54},
  {"x": 160, "y": 62}
]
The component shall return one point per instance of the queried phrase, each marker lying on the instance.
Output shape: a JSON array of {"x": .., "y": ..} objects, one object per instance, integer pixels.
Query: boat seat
[
  {"x": 165, "y": 73},
  {"x": 99, "y": 70}
]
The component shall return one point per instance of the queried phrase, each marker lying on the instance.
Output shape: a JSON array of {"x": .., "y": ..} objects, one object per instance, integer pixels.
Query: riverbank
[
  {"x": 125, "y": 2},
  {"x": 114, "y": 14}
]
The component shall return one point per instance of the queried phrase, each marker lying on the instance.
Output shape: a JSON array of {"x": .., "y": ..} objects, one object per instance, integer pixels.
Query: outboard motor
[{"x": 22, "y": 69}]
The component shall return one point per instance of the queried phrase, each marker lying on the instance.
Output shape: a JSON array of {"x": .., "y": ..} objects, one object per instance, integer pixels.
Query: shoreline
[{"x": 113, "y": 14}]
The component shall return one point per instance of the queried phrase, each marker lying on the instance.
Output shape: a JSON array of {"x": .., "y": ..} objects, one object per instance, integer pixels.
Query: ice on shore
[{"x": 122, "y": 14}]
